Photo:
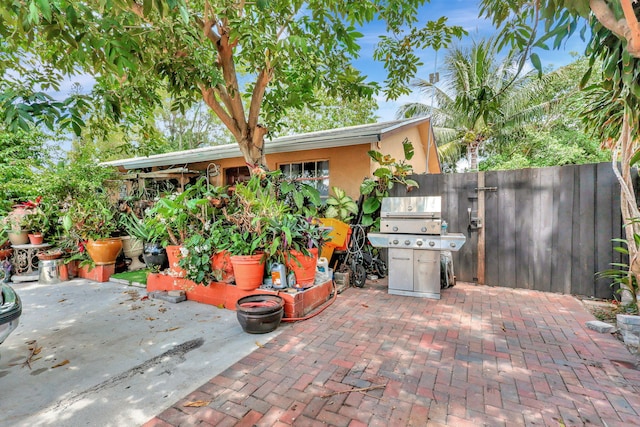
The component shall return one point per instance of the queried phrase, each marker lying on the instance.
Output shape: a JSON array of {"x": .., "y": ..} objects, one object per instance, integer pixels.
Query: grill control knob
[
  {"x": 432, "y": 243},
  {"x": 419, "y": 243},
  {"x": 395, "y": 242},
  {"x": 395, "y": 228},
  {"x": 407, "y": 242}
]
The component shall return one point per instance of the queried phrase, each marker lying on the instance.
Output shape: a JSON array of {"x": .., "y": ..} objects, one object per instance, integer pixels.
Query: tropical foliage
[{"x": 272, "y": 54}]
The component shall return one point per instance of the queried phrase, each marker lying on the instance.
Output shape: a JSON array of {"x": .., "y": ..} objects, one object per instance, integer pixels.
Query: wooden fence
[{"x": 547, "y": 229}]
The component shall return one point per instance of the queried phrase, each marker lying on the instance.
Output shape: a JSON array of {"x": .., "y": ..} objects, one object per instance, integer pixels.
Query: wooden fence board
[
  {"x": 491, "y": 230},
  {"x": 548, "y": 229}
]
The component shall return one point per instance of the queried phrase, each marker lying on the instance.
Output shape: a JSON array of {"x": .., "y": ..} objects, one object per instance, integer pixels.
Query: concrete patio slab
[{"x": 108, "y": 357}]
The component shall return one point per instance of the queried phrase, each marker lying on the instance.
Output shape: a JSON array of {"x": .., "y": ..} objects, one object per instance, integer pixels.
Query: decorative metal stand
[{"x": 25, "y": 262}]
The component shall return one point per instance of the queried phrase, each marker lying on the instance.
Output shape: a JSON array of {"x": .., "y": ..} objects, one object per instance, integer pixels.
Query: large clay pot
[
  {"x": 304, "y": 267},
  {"x": 249, "y": 271},
  {"x": 155, "y": 256},
  {"x": 132, "y": 248},
  {"x": 221, "y": 265},
  {"x": 104, "y": 251},
  {"x": 174, "y": 256},
  {"x": 18, "y": 237}
]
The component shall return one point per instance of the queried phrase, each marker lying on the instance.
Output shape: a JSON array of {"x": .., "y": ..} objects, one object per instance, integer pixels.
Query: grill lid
[{"x": 411, "y": 207}]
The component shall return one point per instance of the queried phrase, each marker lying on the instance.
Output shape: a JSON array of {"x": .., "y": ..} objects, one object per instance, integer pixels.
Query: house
[{"x": 336, "y": 157}]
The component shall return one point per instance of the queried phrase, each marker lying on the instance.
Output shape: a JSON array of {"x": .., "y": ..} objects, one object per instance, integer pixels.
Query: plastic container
[
  {"x": 278, "y": 276},
  {"x": 323, "y": 266}
]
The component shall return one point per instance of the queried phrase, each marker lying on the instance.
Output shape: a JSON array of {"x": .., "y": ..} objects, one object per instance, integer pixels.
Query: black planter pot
[
  {"x": 259, "y": 314},
  {"x": 155, "y": 256}
]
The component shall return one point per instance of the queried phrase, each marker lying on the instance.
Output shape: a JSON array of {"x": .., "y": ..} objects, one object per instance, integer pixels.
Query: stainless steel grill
[{"x": 411, "y": 227}]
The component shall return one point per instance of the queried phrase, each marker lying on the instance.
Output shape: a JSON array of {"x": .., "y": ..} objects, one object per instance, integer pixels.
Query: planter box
[
  {"x": 100, "y": 273},
  {"x": 222, "y": 295}
]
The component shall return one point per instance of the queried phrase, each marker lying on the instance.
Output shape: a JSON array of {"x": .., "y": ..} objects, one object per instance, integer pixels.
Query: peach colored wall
[
  {"x": 348, "y": 166},
  {"x": 392, "y": 145}
]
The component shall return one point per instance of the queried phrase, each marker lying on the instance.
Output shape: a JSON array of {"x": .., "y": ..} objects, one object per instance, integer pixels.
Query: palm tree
[{"x": 481, "y": 96}]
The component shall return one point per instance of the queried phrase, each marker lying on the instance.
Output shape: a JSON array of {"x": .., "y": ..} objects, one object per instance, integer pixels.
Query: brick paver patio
[{"x": 479, "y": 356}]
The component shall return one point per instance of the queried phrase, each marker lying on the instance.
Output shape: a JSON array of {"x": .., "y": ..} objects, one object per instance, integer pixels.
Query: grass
[{"x": 139, "y": 276}]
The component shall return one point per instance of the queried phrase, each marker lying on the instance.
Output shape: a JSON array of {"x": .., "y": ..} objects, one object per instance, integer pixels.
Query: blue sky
[{"x": 459, "y": 12}]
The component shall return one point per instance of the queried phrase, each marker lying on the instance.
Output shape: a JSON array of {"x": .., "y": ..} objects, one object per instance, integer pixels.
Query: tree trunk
[{"x": 623, "y": 151}]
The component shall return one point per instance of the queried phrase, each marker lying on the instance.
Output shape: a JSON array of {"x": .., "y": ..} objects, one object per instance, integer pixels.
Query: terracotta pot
[
  {"x": 304, "y": 267},
  {"x": 36, "y": 238},
  {"x": 18, "y": 237},
  {"x": 104, "y": 251},
  {"x": 221, "y": 263},
  {"x": 174, "y": 256},
  {"x": 249, "y": 271}
]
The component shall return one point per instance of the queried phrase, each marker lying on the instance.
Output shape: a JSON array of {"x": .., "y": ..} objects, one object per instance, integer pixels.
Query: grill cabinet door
[
  {"x": 400, "y": 269},
  {"x": 426, "y": 274}
]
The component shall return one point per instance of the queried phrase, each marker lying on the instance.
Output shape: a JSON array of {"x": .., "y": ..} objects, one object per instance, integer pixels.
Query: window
[
  {"x": 235, "y": 175},
  {"x": 315, "y": 174}
]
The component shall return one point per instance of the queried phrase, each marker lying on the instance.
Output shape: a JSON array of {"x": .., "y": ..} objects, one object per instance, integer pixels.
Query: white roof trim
[{"x": 353, "y": 135}]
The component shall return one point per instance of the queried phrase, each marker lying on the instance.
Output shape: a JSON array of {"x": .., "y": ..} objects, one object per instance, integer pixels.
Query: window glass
[{"x": 316, "y": 174}]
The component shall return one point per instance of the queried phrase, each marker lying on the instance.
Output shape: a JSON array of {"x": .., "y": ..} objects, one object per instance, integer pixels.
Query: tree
[
  {"x": 273, "y": 53},
  {"x": 615, "y": 41},
  {"x": 481, "y": 97},
  {"x": 327, "y": 113},
  {"x": 20, "y": 156}
]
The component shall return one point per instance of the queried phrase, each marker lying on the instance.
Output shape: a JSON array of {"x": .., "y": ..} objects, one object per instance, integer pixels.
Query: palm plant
[{"x": 481, "y": 95}]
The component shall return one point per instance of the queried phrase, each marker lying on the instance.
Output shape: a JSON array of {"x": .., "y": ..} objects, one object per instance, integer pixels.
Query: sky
[{"x": 463, "y": 13}]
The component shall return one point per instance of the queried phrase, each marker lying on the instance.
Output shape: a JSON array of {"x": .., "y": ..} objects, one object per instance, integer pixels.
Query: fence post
[{"x": 481, "y": 241}]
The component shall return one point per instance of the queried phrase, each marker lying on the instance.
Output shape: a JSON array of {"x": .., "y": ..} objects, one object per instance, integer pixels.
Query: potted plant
[
  {"x": 141, "y": 238},
  {"x": 94, "y": 220},
  {"x": 35, "y": 222}
]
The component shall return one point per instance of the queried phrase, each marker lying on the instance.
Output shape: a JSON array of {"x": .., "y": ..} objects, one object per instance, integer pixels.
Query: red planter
[
  {"x": 249, "y": 271},
  {"x": 221, "y": 263},
  {"x": 304, "y": 267},
  {"x": 174, "y": 256}
]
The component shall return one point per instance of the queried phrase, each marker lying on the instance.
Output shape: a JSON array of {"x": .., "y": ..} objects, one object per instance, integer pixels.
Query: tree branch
[
  {"x": 606, "y": 17},
  {"x": 256, "y": 97},
  {"x": 208, "y": 95}
]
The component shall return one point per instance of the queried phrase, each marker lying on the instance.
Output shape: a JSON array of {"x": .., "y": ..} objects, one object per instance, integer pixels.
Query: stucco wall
[
  {"x": 348, "y": 166},
  {"x": 392, "y": 145}
]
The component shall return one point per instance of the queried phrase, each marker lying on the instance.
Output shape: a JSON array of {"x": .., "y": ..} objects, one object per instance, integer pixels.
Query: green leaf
[
  {"x": 535, "y": 61},
  {"x": 407, "y": 146},
  {"x": 371, "y": 205},
  {"x": 367, "y": 220},
  {"x": 45, "y": 9}
]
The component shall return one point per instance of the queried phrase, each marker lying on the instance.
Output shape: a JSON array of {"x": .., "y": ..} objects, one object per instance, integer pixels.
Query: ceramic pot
[
  {"x": 259, "y": 314},
  {"x": 18, "y": 237},
  {"x": 249, "y": 271},
  {"x": 155, "y": 256},
  {"x": 104, "y": 251},
  {"x": 132, "y": 248}
]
